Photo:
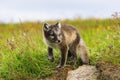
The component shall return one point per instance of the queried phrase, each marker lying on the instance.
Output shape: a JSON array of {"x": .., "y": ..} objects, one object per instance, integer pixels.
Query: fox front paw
[
  {"x": 51, "y": 59},
  {"x": 59, "y": 67}
]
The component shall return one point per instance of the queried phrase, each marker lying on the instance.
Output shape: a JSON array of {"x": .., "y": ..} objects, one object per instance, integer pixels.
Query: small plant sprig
[{"x": 116, "y": 16}]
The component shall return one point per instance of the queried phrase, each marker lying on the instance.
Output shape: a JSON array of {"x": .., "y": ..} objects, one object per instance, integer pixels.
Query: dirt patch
[
  {"x": 108, "y": 71},
  {"x": 60, "y": 74}
]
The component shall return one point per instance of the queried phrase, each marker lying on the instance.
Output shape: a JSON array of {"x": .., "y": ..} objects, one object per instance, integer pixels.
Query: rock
[
  {"x": 108, "y": 71},
  {"x": 85, "y": 72}
]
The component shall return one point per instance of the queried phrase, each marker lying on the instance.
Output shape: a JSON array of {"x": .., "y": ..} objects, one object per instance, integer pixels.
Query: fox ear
[
  {"x": 46, "y": 27},
  {"x": 58, "y": 25}
]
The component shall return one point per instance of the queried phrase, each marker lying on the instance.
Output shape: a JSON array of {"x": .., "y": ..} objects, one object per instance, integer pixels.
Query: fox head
[{"x": 53, "y": 32}]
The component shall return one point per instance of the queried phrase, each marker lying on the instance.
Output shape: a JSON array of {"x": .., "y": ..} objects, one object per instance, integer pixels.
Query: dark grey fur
[{"x": 61, "y": 42}]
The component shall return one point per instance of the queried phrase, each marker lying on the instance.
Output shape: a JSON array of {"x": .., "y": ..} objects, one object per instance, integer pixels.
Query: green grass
[{"x": 24, "y": 55}]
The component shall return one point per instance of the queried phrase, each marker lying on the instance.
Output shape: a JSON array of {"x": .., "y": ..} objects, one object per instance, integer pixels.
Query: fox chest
[{"x": 52, "y": 45}]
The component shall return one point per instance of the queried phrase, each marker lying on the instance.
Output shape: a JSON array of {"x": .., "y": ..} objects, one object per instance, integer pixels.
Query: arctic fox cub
[{"x": 67, "y": 39}]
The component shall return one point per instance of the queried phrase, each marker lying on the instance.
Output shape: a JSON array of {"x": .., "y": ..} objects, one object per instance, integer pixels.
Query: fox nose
[{"x": 58, "y": 41}]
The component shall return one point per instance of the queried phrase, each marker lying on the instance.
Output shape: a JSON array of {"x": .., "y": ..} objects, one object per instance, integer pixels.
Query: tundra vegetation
[{"x": 23, "y": 53}]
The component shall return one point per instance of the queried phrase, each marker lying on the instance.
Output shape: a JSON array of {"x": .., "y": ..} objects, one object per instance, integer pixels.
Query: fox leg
[
  {"x": 73, "y": 51},
  {"x": 50, "y": 54},
  {"x": 64, "y": 54},
  {"x": 69, "y": 53}
]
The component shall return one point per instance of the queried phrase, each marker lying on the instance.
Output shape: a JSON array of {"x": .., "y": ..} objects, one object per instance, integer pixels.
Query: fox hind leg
[
  {"x": 64, "y": 54},
  {"x": 73, "y": 52}
]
